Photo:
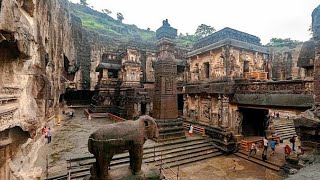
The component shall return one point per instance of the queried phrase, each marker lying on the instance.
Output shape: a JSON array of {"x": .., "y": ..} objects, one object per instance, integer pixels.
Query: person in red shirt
[
  {"x": 287, "y": 151},
  {"x": 44, "y": 130}
]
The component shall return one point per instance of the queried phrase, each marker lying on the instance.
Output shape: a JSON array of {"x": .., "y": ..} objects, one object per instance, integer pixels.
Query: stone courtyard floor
[{"x": 69, "y": 140}]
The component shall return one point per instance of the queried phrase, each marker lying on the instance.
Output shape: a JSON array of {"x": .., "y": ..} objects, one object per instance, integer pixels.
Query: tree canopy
[
  {"x": 204, "y": 30},
  {"x": 287, "y": 42},
  {"x": 120, "y": 17}
]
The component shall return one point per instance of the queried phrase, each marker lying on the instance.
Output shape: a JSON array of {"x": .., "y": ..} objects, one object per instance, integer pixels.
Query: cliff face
[
  {"x": 43, "y": 49},
  {"x": 308, "y": 124}
]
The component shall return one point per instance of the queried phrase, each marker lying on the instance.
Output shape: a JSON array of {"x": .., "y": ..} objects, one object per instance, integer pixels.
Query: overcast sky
[{"x": 263, "y": 18}]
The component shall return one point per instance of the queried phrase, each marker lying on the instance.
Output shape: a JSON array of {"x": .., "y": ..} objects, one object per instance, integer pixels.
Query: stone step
[
  {"x": 170, "y": 129},
  {"x": 175, "y": 146},
  {"x": 171, "y": 124},
  {"x": 286, "y": 133},
  {"x": 191, "y": 158},
  {"x": 178, "y": 141},
  {"x": 168, "y": 135},
  {"x": 255, "y": 160},
  {"x": 287, "y": 137},
  {"x": 285, "y": 129},
  {"x": 284, "y": 122},
  {"x": 179, "y": 152}
]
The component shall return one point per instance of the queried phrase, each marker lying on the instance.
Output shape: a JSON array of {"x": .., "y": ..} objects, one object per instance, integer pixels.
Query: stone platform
[{"x": 124, "y": 173}]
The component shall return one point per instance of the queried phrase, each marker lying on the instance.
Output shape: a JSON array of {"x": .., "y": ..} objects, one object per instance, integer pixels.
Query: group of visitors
[
  {"x": 47, "y": 133},
  {"x": 272, "y": 143}
]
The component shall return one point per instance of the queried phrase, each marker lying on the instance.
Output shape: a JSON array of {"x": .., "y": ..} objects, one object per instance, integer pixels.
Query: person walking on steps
[
  {"x": 253, "y": 149},
  {"x": 49, "y": 135},
  {"x": 293, "y": 141},
  {"x": 190, "y": 130},
  {"x": 265, "y": 145},
  {"x": 272, "y": 146}
]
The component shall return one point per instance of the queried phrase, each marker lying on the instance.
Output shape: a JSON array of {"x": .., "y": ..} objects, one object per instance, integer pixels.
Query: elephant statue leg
[
  {"x": 136, "y": 154},
  {"x": 103, "y": 165}
]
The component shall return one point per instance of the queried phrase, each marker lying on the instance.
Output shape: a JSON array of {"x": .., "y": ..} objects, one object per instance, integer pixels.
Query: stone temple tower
[
  {"x": 165, "y": 107},
  {"x": 165, "y": 100}
]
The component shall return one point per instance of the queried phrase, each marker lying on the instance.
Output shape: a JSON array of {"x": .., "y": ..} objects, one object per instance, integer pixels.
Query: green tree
[
  {"x": 120, "y": 17},
  {"x": 204, "y": 30},
  {"x": 279, "y": 42},
  {"x": 84, "y": 2}
]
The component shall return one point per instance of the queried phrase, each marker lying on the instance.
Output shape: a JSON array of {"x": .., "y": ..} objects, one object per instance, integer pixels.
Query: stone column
[
  {"x": 225, "y": 111},
  {"x": 210, "y": 110},
  {"x": 227, "y": 60},
  {"x": 219, "y": 122}
]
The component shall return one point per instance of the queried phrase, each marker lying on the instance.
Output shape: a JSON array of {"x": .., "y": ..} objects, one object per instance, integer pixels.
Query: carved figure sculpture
[{"x": 116, "y": 138}]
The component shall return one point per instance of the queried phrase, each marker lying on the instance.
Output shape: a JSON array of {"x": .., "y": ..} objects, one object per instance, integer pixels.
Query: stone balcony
[{"x": 108, "y": 83}]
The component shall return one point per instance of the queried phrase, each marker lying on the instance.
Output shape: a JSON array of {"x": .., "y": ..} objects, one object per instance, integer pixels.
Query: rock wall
[
  {"x": 43, "y": 49},
  {"x": 308, "y": 124}
]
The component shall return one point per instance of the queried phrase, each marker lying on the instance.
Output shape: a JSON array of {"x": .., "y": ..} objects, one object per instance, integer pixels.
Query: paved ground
[{"x": 70, "y": 140}]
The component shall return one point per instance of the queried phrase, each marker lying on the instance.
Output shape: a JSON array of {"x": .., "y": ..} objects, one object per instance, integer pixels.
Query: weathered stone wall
[
  {"x": 217, "y": 64},
  {"x": 284, "y": 63},
  {"x": 38, "y": 39}
]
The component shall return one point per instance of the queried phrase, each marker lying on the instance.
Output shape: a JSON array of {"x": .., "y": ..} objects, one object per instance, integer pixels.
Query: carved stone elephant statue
[{"x": 118, "y": 137}]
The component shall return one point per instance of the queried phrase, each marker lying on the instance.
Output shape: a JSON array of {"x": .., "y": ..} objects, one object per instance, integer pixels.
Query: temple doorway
[
  {"x": 254, "y": 121},
  {"x": 143, "y": 108}
]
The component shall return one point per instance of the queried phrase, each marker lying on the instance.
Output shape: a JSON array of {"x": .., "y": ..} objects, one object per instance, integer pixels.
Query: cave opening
[
  {"x": 254, "y": 121},
  {"x": 8, "y": 46},
  {"x": 81, "y": 97},
  {"x": 11, "y": 141}
]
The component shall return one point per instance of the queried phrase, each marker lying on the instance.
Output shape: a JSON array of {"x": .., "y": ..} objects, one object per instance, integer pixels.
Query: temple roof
[
  {"x": 228, "y": 36},
  {"x": 227, "y": 33}
]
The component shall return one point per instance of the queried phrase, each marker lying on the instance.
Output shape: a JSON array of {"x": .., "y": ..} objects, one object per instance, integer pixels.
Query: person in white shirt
[
  {"x": 265, "y": 145},
  {"x": 190, "y": 130}
]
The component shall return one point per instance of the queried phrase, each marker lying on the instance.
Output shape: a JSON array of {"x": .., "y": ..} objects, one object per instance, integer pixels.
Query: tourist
[
  {"x": 300, "y": 151},
  {"x": 44, "y": 131},
  {"x": 49, "y": 135},
  {"x": 253, "y": 148},
  {"x": 70, "y": 114},
  {"x": 190, "y": 130},
  {"x": 272, "y": 146},
  {"x": 234, "y": 165},
  {"x": 293, "y": 141},
  {"x": 265, "y": 145},
  {"x": 287, "y": 151}
]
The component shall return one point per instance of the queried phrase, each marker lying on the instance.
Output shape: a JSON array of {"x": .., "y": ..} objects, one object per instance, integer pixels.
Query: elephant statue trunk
[{"x": 117, "y": 138}]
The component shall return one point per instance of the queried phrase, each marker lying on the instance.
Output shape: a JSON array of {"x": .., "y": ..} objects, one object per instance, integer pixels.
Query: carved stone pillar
[
  {"x": 197, "y": 113},
  {"x": 185, "y": 106},
  {"x": 225, "y": 111},
  {"x": 210, "y": 110},
  {"x": 227, "y": 60},
  {"x": 219, "y": 122}
]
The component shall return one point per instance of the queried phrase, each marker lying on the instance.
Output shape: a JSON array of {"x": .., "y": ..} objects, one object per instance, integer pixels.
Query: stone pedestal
[{"x": 124, "y": 173}]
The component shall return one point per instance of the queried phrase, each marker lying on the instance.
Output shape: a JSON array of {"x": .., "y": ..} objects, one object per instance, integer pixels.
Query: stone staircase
[
  {"x": 267, "y": 164},
  {"x": 284, "y": 129},
  {"x": 170, "y": 129},
  {"x": 171, "y": 153}
]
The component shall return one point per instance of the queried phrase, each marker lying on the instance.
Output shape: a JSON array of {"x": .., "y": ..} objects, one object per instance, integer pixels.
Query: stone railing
[
  {"x": 291, "y": 87},
  {"x": 115, "y": 118}
]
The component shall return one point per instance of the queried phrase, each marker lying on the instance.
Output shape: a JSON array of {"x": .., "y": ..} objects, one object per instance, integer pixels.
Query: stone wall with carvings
[
  {"x": 240, "y": 61},
  {"x": 285, "y": 64}
]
